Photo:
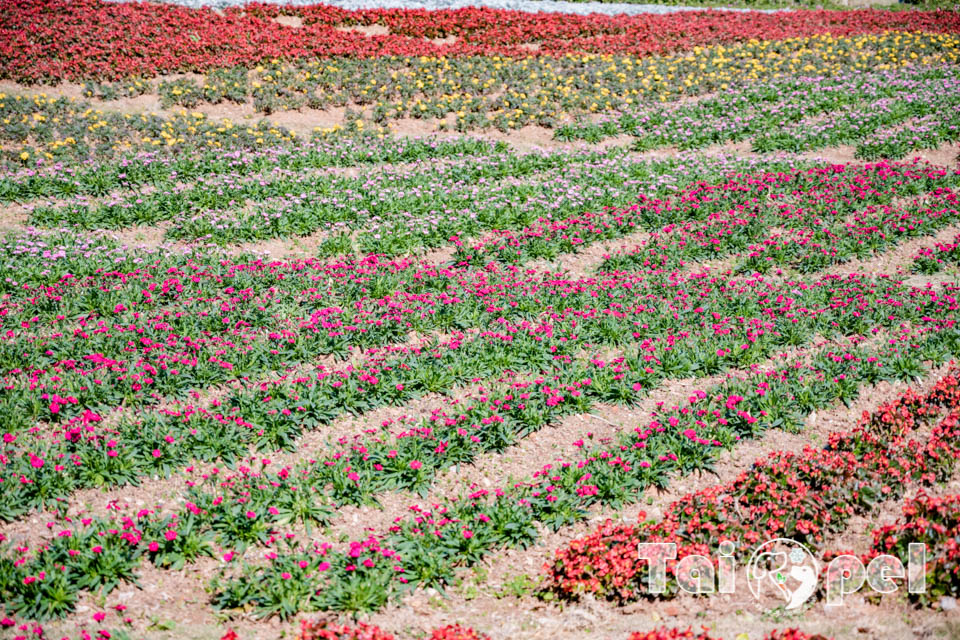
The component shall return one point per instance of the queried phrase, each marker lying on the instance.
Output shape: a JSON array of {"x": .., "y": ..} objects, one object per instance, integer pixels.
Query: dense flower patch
[
  {"x": 400, "y": 210},
  {"x": 372, "y": 569},
  {"x": 107, "y": 152},
  {"x": 168, "y": 38},
  {"x": 426, "y": 302},
  {"x": 537, "y": 70},
  {"x": 935, "y": 522},
  {"x": 550, "y": 342},
  {"x": 749, "y": 215},
  {"x": 802, "y": 78},
  {"x": 489, "y": 91},
  {"x": 930, "y": 260},
  {"x": 801, "y": 496},
  {"x": 887, "y": 114},
  {"x": 326, "y": 631},
  {"x": 206, "y": 319},
  {"x": 273, "y": 414},
  {"x": 425, "y": 548}
]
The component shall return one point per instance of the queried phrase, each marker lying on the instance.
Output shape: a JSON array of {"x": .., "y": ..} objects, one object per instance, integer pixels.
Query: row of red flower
[
  {"x": 44, "y": 40},
  {"x": 801, "y": 496},
  {"x": 361, "y": 631},
  {"x": 933, "y": 521}
]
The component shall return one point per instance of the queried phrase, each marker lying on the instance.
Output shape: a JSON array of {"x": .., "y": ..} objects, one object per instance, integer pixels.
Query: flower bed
[
  {"x": 801, "y": 496},
  {"x": 168, "y": 38}
]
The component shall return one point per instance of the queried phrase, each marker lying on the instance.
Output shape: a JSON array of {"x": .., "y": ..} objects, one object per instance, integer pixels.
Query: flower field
[{"x": 390, "y": 323}]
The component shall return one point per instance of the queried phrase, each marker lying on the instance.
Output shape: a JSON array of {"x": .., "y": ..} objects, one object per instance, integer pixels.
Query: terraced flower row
[
  {"x": 886, "y": 114},
  {"x": 81, "y": 449},
  {"x": 207, "y": 323},
  {"x": 426, "y": 547},
  {"x": 479, "y": 92},
  {"x": 400, "y": 210},
  {"x": 748, "y": 216},
  {"x": 96, "y": 554},
  {"x": 561, "y": 381},
  {"x": 168, "y": 38},
  {"x": 153, "y": 152},
  {"x": 806, "y": 496},
  {"x": 482, "y": 91}
]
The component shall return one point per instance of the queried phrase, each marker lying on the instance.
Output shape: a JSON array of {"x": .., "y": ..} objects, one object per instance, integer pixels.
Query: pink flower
[
  {"x": 170, "y": 534},
  {"x": 415, "y": 464},
  {"x": 156, "y": 453},
  {"x": 467, "y": 534},
  {"x": 36, "y": 462},
  {"x": 97, "y": 549},
  {"x": 99, "y": 616},
  {"x": 228, "y": 556},
  {"x": 285, "y": 575},
  {"x": 251, "y": 515},
  {"x": 323, "y": 566},
  {"x": 154, "y": 547}
]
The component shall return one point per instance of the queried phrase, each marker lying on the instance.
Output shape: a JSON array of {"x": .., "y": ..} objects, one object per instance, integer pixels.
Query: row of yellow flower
[{"x": 475, "y": 92}]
